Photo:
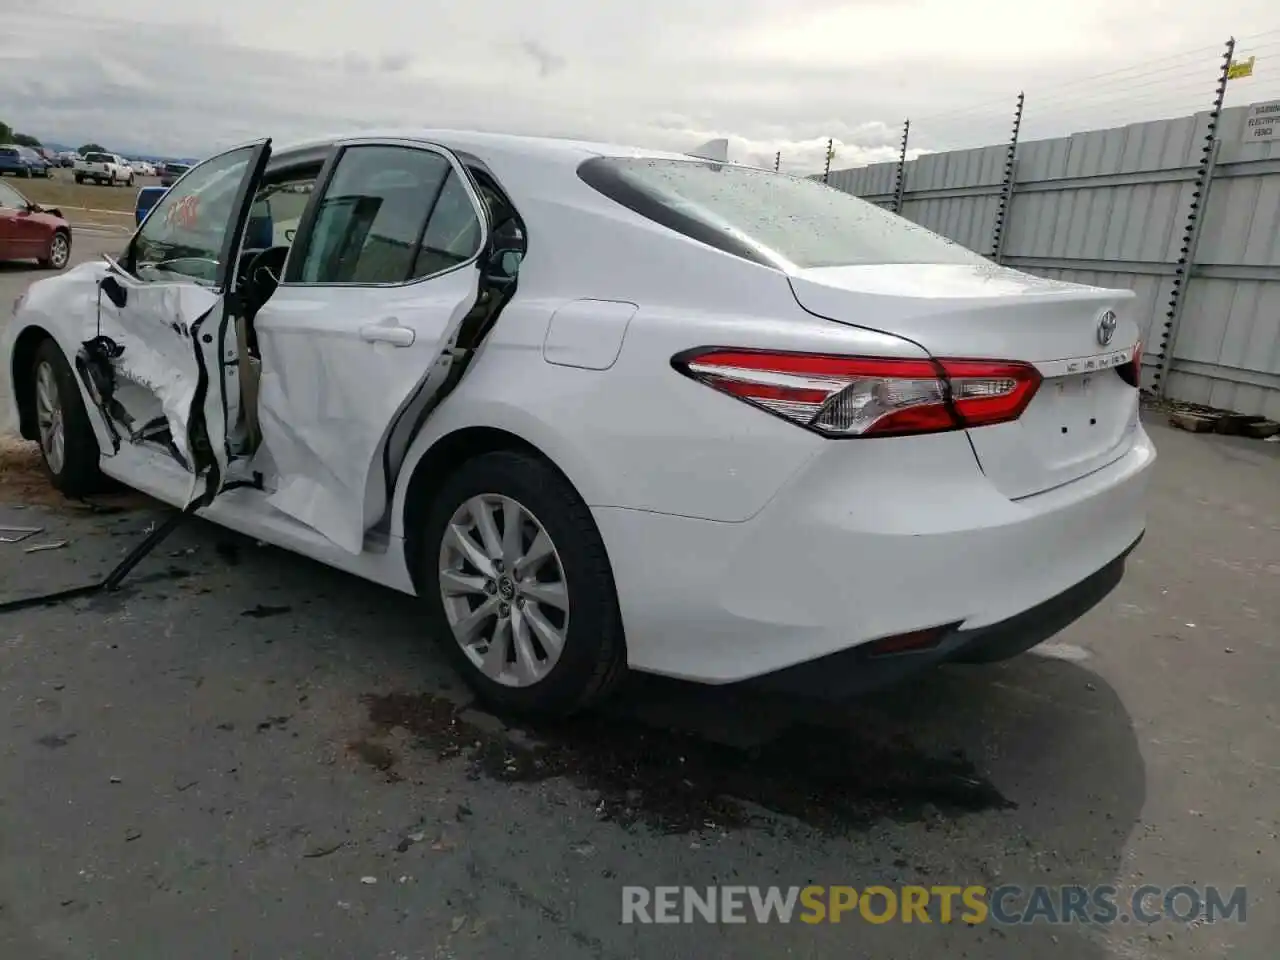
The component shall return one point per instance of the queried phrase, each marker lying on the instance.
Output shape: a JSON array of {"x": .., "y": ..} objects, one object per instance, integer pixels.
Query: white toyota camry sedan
[{"x": 603, "y": 408}]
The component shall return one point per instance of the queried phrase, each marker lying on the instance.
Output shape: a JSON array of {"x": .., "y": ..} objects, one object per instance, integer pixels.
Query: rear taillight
[
  {"x": 867, "y": 396},
  {"x": 1131, "y": 372}
]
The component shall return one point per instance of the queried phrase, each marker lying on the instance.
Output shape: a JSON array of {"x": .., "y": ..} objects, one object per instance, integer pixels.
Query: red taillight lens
[
  {"x": 867, "y": 396},
  {"x": 1131, "y": 372}
]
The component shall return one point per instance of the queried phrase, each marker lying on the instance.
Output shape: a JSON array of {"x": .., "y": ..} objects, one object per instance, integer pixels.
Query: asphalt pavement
[{"x": 245, "y": 754}]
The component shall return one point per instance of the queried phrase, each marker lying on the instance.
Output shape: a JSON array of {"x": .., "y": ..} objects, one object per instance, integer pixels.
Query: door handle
[{"x": 389, "y": 331}]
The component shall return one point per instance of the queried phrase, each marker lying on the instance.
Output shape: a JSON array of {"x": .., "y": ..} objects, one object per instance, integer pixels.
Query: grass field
[{"x": 61, "y": 190}]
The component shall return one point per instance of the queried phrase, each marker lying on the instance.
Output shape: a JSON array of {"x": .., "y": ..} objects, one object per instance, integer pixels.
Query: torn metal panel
[{"x": 154, "y": 371}]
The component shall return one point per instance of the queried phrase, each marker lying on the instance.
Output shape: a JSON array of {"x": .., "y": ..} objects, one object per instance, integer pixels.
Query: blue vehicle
[
  {"x": 148, "y": 197},
  {"x": 22, "y": 161}
]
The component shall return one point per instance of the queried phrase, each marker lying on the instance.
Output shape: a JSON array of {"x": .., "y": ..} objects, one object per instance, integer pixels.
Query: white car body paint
[
  {"x": 330, "y": 387},
  {"x": 740, "y": 543}
]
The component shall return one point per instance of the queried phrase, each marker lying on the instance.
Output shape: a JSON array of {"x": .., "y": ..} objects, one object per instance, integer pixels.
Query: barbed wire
[{"x": 1182, "y": 83}]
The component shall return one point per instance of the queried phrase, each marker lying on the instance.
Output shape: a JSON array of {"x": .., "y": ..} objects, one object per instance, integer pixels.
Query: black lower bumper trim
[{"x": 855, "y": 671}]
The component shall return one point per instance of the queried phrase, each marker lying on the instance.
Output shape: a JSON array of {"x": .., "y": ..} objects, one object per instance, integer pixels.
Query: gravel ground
[{"x": 244, "y": 754}]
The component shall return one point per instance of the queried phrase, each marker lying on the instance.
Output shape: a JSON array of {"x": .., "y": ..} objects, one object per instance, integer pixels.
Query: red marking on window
[{"x": 185, "y": 213}]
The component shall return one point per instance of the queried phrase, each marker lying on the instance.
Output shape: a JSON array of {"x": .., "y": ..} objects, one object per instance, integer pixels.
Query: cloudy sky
[{"x": 178, "y": 78}]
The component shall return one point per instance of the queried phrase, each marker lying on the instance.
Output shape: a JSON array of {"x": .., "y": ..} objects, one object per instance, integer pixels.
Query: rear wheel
[
  {"x": 517, "y": 586},
  {"x": 68, "y": 446},
  {"x": 79, "y": 178}
]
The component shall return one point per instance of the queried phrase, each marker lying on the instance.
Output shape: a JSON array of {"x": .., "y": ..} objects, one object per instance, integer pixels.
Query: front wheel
[
  {"x": 518, "y": 587},
  {"x": 79, "y": 178},
  {"x": 68, "y": 446}
]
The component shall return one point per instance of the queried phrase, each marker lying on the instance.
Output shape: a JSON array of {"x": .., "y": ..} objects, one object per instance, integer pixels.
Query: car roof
[{"x": 483, "y": 144}]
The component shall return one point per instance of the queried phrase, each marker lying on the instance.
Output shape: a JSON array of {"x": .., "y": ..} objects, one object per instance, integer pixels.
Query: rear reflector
[
  {"x": 913, "y": 642},
  {"x": 867, "y": 396}
]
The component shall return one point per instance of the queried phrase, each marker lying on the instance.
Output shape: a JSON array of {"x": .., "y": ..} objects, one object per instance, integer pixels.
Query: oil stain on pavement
[{"x": 674, "y": 781}]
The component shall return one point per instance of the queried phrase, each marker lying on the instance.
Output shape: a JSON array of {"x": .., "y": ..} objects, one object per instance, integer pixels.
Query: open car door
[{"x": 161, "y": 362}]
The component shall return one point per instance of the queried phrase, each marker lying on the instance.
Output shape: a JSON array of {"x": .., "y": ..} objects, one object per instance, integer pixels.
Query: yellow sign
[{"x": 1240, "y": 69}]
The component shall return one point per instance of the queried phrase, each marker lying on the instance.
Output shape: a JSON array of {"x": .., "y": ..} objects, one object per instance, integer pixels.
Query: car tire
[
  {"x": 59, "y": 251},
  {"x": 574, "y": 573},
  {"x": 72, "y": 465},
  {"x": 79, "y": 179}
]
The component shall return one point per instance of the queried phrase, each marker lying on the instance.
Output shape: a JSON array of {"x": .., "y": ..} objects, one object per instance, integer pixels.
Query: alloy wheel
[
  {"x": 504, "y": 590},
  {"x": 49, "y": 417},
  {"x": 59, "y": 251}
]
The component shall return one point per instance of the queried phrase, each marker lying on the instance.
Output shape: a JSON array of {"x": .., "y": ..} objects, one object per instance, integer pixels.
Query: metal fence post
[
  {"x": 900, "y": 184},
  {"x": 1006, "y": 187},
  {"x": 1168, "y": 338}
]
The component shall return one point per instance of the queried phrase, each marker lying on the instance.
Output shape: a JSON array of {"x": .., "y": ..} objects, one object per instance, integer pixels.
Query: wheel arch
[
  {"x": 439, "y": 461},
  {"x": 24, "y": 354}
]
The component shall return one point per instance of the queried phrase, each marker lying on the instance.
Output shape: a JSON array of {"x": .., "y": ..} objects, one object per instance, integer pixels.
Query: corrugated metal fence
[{"x": 1110, "y": 208}]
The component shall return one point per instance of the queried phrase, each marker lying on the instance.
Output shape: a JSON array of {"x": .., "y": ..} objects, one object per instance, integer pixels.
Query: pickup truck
[
  {"x": 104, "y": 168},
  {"x": 170, "y": 173}
]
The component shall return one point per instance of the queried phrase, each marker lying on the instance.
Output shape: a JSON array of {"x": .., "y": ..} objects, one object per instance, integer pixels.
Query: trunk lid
[{"x": 1084, "y": 415}]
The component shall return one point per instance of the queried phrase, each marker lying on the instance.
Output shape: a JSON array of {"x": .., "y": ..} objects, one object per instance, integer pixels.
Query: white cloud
[{"x": 770, "y": 75}]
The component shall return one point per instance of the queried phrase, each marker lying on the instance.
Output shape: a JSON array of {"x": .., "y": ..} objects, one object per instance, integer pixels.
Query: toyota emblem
[{"x": 1106, "y": 327}]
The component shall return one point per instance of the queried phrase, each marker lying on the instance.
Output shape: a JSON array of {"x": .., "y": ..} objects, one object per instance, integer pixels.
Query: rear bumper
[
  {"x": 866, "y": 542},
  {"x": 855, "y": 671}
]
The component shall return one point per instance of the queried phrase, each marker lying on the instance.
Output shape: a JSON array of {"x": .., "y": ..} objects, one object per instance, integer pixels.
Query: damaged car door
[
  {"x": 161, "y": 364},
  {"x": 360, "y": 336}
]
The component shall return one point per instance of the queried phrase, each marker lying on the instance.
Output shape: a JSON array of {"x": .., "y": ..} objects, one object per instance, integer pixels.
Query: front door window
[{"x": 185, "y": 235}]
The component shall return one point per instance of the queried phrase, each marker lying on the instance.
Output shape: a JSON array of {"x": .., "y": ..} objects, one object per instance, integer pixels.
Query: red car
[{"x": 29, "y": 232}]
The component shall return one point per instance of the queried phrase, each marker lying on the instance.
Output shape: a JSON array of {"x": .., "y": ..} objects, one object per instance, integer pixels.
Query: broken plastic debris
[
  {"x": 368, "y": 879},
  {"x": 22, "y": 533},
  {"x": 41, "y": 547}
]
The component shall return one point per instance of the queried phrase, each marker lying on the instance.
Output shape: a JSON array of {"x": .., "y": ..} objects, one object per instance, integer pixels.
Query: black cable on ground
[{"x": 112, "y": 580}]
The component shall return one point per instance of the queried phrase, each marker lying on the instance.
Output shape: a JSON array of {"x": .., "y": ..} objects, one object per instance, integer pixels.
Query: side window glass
[
  {"x": 371, "y": 215},
  {"x": 184, "y": 233},
  {"x": 453, "y": 233}
]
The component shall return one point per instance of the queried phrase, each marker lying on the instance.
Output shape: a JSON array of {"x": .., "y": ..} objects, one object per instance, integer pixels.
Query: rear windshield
[
  {"x": 765, "y": 216},
  {"x": 98, "y": 158},
  {"x": 8, "y": 151}
]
